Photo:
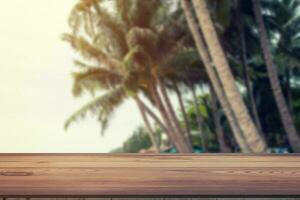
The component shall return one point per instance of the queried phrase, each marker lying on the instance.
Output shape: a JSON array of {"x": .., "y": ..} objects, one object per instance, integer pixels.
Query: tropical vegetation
[{"x": 231, "y": 65}]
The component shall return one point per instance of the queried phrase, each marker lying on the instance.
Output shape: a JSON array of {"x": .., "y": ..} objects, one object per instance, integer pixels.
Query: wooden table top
[{"x": 125, "y": 175}]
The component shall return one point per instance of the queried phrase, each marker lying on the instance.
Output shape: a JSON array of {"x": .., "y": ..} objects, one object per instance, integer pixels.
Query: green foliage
[
  {"x": 204, "y": 103},
  {"x": 282, "y": 21},
  {"x": 138, "y": 141}
]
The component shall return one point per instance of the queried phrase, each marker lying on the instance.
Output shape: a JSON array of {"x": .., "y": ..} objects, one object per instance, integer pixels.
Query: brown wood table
[{"x": 123, "y": 175}]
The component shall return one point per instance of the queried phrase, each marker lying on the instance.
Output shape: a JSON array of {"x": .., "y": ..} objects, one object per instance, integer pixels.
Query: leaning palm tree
[
  {"x": 201, "y": 47},
  {"x": 126, "y": 61},
  {"x": 217, "y": 122},
  {"x": 148, "y": 125},
  {"x": 182, "y": 109},
  {"x": 282, "y": 106},
  {"x": 116, "y": 84},
  {"x": 252, "y": 136},
  {"x": 188, "y": 70}
]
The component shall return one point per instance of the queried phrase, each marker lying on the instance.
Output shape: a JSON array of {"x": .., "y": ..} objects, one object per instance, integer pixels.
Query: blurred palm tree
[
  {"x": 286, "y": 117},
  {"x": 128, "y": 52},
  {"x": 206, "y": 59}
]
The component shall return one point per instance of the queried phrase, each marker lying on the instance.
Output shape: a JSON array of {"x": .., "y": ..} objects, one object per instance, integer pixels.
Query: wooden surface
[
  {"x": 112, "y": 175},
  {"x": 156, "y": 198}
]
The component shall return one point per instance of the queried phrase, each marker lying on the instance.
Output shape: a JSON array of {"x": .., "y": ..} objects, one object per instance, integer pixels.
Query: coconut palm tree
[
  {"x": 188, "y": 71},
  {"x": 282, "y": 106},
  {"x": 124, "y": 46},
  {"x": 217, "y": 122},
  {"x": 148, "y": 125},
  {"x": 252, "y": 136},
  {"x": 182, "y": 109},
  {"x": 244, "y": 62},
  {"x": 205, "y": 57}
]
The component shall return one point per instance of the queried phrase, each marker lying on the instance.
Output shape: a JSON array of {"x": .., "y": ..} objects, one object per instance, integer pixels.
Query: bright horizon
[{"x": 35, "y": 89}]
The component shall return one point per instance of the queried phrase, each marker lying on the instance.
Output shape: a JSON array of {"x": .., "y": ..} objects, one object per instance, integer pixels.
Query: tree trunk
[
  {"x": 250, "y": 96},
  {"x": 199, "y": 119},
  {"x": 172, "y": 114},
  {"x": 154, "y": 117},
  {"x": 148, "y": 126},
  {"x": 289, "y": 90},
  {"x": 183, "y": 111},
  {"x": 285, "y": 115},
  {"x": 165, "y": 117},
  {"x": 252, "y": 136},
  {"x": 178, "y": 139},
  {"x": 158, "y": 121},
  {"x": 217, "y": 122},
  {"x": 201, "y": 47}
]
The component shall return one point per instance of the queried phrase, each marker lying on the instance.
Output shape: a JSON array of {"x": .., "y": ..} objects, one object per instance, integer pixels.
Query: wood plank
[
  {"x": 124, "y": 175},
  {"x": 155, "y": 198}
]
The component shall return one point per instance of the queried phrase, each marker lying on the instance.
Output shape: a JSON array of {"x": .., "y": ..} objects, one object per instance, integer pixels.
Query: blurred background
[{"x": 137, "y": 76}]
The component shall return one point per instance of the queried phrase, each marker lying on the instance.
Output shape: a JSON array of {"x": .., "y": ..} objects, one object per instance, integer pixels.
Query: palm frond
[
  {"x": 104, "y": 122},
  {"x": 89, "y": 51},
  {"x": 137, "y": 58},
  {"x": 103, "y": 106},
  {"x": 184, "y": 66},
  {"x": 89, "y": 25},
  {"x": 144, "y": 37},
  {"x": 81, "y": 15},
  {"x": 84, "y": 66},
  {"x": 123, "y": 9},
  {"x": 136, "y": 12},
  {"x": 173, "y": 30},
  {"x": 95, "y": 78},
  {"x": 142, "y": 12},
  {"x": 110, "y": 26}
]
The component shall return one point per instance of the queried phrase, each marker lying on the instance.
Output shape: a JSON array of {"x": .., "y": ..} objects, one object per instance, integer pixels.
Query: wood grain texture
[
  {"x": 155, "y": 198},
  {"x": 100, "y": 175}
]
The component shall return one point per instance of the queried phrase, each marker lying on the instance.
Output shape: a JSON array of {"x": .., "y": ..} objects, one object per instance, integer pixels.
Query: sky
[{"x": 35, "y": 85}]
